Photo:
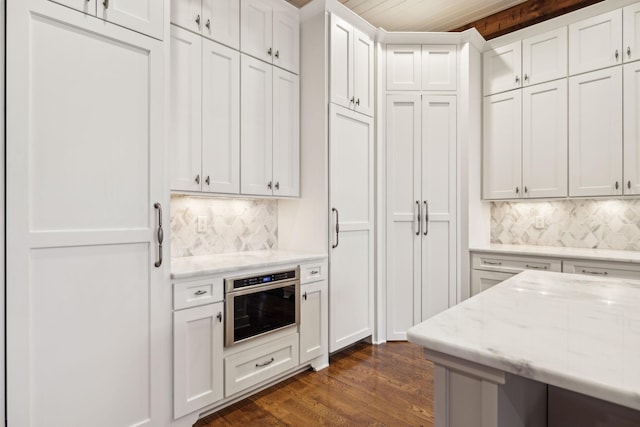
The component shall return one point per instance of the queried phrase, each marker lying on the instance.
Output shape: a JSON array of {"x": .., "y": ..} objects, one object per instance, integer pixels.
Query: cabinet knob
[
  {"x": 208, "y": 24},
  {"x": 208, "y": 180},
  {"x": 526, "y": 190},
  {"x": 198, "y": 179},
  {"x": 198, "y": 20},
  {"x": 353, "y": 100},
  {"x": 526, "y": 77},
  {"x": 304, "y": 296},
  {"x": 219, "y": 316},
  {"x": 517, "y": 190},
  {"x": 617, "y": 185},
  {"x": 629, "y": 51},
  {"x": 617, "y": 54},
  {"x": 277, "y": 55},
  {"x": 105, "y": 3},
  {"x": 270, "y": 52},
  {"x": 277, "y": 185},
  {"x": 358, "y": 101},
  {"x": 270, "y": 185},
  {"x": 517, "y": 79},
  {"x": 629, "y": 185}
]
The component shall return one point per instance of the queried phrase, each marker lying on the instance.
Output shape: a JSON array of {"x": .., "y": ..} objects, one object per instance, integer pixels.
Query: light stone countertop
[
  {"x": 561, "y": 252},
  {"x": 576, "y": 332},
  {"x": 195, "y": 266}
]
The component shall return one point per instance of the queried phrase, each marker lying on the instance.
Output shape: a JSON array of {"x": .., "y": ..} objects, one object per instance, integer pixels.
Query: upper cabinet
[
  {"x": 595, "y": 43},
  {"x": 631, "y": 108},
  {"x": 404, "y": 67},
  {"x": 143, "y": 16},
  {"x": 351, "y": 81},
  {"x": 439, "y": 67},
  {"x": 270, "y": 32},
  {"x": 426, "y": 67},
  {"x": 218, "y": 20},
  {"x": 538, "y": 59},
  {"x": 631, "y": 32}
]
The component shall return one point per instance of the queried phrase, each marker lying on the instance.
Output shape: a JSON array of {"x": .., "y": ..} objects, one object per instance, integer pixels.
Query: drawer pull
[
  {"x": 491, "y": 262},
  {"x": 200, "y": 292},
  {"x": 260, "y": 365},
  {"x": 599, "y": 273},
  {"x": 314, "y": 272},
  {"x": 537, "y": 267}
]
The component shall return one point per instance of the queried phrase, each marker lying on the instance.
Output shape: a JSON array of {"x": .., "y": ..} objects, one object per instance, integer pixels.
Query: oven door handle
[{"x": 253, "y": 290}]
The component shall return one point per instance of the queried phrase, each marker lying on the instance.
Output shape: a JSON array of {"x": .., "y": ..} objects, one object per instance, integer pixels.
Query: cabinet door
[
  {"x": 198, "y": 335},
  {"x": 439, "y": 67},
  {"x": 595, "y": 133},
  {"x": 351, "y": 256},
  {"x": 595, "y": 42},
  {"x": 185, "y": 130},
  {"x": 631, "y": 128},
  {"x": 544, "y": 57},
  {"x": 256, "y": 25},
  {"x": 256, "y": 127},
  {"x": 363, "y": 73},
  {"x": 404, "y": 205},
  {"x": 631, "y": 32},
  {"x": 341, "y": 62},
  {"x": 144, "y": 16},
  {"x": 439, "y": 194},
  {"x": 286, "y": 133},
  {"x": 597, "y": 268},
  {"x": 544, "y": 140},
  {"x": 87, "y": 326},
  {"x": 220, "y": 118},
  {"x": 482, "y": 280},
  {"x": 221, "y": 21},
  {"x": 501, "y": 146},
  {"x": 286, "y": 40},
  {"x": 502, "y": 68},
  {"x": 187, "y": 14},
  {"x": 313, "y": 321},
  {"x": 403, "y": 67},
  {"x": 86, "y": 6}
]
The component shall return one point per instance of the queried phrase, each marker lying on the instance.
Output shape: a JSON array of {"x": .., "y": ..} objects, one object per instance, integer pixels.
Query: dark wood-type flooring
[{"x": 365, "y": 385}]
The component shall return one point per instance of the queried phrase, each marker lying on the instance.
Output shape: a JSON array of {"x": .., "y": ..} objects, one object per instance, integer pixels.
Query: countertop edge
[{"x": 612, "y": 255}]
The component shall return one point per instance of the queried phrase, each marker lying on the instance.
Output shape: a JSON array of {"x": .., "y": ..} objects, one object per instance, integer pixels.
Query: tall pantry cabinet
[{"x": 88, "y": 309}]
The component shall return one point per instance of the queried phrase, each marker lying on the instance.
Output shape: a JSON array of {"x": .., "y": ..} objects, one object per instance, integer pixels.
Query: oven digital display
[{"x": 266, "y": 278}]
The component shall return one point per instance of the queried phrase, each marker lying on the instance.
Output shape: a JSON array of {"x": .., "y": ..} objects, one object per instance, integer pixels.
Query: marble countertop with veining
[
  {"x": 572, "y": 331},
  {"x": 195, "y": 266},
  {"x": 561, "y": 252}
]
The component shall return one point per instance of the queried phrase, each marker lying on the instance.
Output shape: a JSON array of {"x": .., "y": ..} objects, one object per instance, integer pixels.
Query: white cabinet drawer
[
  {"x": 514, "y": 264},
  {"x": 604, "y": 269},
  {"x": 313, "y": 272},
  {"x": 257, "y": 364},
  {"x": 482, "y": 280},
  {"x": 199, "y": 292}
]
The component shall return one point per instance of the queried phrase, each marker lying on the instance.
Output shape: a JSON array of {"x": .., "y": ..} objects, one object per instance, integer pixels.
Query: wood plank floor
[{"x": 365, "y": 385}]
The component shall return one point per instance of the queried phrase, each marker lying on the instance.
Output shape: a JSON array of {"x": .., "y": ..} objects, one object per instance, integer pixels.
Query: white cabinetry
[
  {"x": 602, "y": 268},
  {"x": 595, "y": 42},
  {"x": 595, "y": 133},
  {"x": 421, "y": 228},
  {"x": 270, "y": 130},
  {"x": 426, "y": 67},
  {"x": 270, "y": 31},
  {"x": 439, "y": 67},
  {"x": 351, "y": 258},
  {"x": 404, "y": 67},
  {"x": 218, "y": 20},
  {"x": 88, "y": 312},
  {"x": 631, "y": 135},
  {"x": 631, "y": 32},
  {"x": 313, "y": 321},
  {"x": 143, "y": 16},
  {"x": 502, "y": 68},
  {"x": 351, "y": 82},
  {"x": 205, "y": 115}
]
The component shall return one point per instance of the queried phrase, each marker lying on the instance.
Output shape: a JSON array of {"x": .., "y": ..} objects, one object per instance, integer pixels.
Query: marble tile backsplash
[
  {"x": 584, "y": 223},
  {"x": 232, "y": 225}
]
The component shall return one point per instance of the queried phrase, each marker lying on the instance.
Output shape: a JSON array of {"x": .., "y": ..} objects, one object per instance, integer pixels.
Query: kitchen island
[{"x": 539, "y": 349}]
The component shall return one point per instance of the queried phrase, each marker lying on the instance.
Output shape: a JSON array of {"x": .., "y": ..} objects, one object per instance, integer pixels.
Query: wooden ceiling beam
[{"x": 523, "y": 15}]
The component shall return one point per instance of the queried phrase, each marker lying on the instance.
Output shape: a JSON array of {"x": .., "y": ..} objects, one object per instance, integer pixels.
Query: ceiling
[{"x": 422, "y": 15}]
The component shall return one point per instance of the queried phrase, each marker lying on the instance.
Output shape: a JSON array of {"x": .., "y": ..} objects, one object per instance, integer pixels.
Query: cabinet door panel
[
  {"x": 220, "y": 119},
  {"x": 221, "y": 21},
  {"x": 185, "y": 132},
  {"x": 256, "y": 127},
  {"x": 595, "y": 133},
  {"x": 439, "y": 67},
  {"x": 313, "y": 319},
  {"x": 632, "y": 128},
  {"x": 502, "y": 68},
  {"x": 256, "y": 23},
  {"x": 363, "y": 73},
  {"x": 286, "y": 40},
  {"x": 631, "y": 32},
  {"x": 86, "y": 6},
  {"x": 185, "y": 13},
  {"x": 403, "y": 67},
  {"x": 198, "y": 335},
  {"x": 341, "y": 63},
  {"x": 501, "y": 146},
  {"x": 544, "y": 57},
  {"x": 544, "y": 140},
  {"x": 404, "y": 203},
  {"x": 595, "y": 42},
  {"x": 144, "y": 16},
  {"x": 483, "y": 280},
  {"x": 286, "y": 133}
]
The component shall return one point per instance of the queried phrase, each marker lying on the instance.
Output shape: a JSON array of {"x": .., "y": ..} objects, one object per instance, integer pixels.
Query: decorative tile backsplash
[
  {"x": 232, "y": 225},
  {"x": 584, "y": 223}
]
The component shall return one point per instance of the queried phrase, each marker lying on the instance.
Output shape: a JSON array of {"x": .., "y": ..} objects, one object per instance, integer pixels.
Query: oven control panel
[{"x": 264, "y": 279}]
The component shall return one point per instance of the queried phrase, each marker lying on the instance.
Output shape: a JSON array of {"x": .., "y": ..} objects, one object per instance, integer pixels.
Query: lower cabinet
[
  {"x": 482, "y": 280},
  {"x": 313, "y": 324},
  {"x": 618, "y": 270}
]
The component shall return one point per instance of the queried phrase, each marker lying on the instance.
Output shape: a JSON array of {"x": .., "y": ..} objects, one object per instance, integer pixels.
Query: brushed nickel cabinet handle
[
  {"x": 304, "y": 296},
  {"x": 270, "y": 185},
  {"x": 617, "y": 54},
  {"x": 105, "y": 3},
  {"x": 517, "y": 79},
  {"x": 277, "y": 185},
  {"x": 270, "y": 52},
  {"x": 617, "y": 185},
  {"x": 198, "y": 179},
  {"x": 313, "y": 272},
  {"x": 526, "y": 190},
  {"x": 526, "y": 77},
  {"x": 598, "y": 273},
  {"x": 337, "y": 227},
  {"x": 208, "y": 24},
  {"x": 491, "y": 262},
  {"x": 629, "y": 185},
  {"x": 200, "y": 292},
  {"x": 207, "y": 180},
  {"x": 269, "y": 362},
  {"x": 353, "y": 100},
  {"x": 198, "y": 20},
  {"x": 517, "y": 190},
  {"x": 629, "y": 51},
  {"x": 537, "y": 267},
  {"x": 219, "y": 316},
  {"x": 426, "y": 218},
  {"x": 158, "y": 207},
  {"x": 419, "y": 227},
  {"x": 277, "y": 55}
]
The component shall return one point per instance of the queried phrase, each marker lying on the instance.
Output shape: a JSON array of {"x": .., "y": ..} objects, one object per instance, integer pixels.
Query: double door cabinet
[
  {"x": 218, "y": 20},
  {"x": 421, "y": 211},
  {"x": 422, "y": 67}
]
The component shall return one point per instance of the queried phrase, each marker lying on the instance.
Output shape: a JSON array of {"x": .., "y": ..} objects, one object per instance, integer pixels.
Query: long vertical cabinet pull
[
  {"x": 426, "y": 218},
  {"x": 419, "y": 225},
  {"x": 158, "y": 206},
  {"x": 337, "y": 227}
]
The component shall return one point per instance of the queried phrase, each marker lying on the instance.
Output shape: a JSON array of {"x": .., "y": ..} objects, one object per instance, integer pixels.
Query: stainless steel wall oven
[{"x": 256, "y": 305}]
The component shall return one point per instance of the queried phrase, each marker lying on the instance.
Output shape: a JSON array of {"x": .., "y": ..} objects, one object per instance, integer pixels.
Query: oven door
[{"x": 256, "y": 311}]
